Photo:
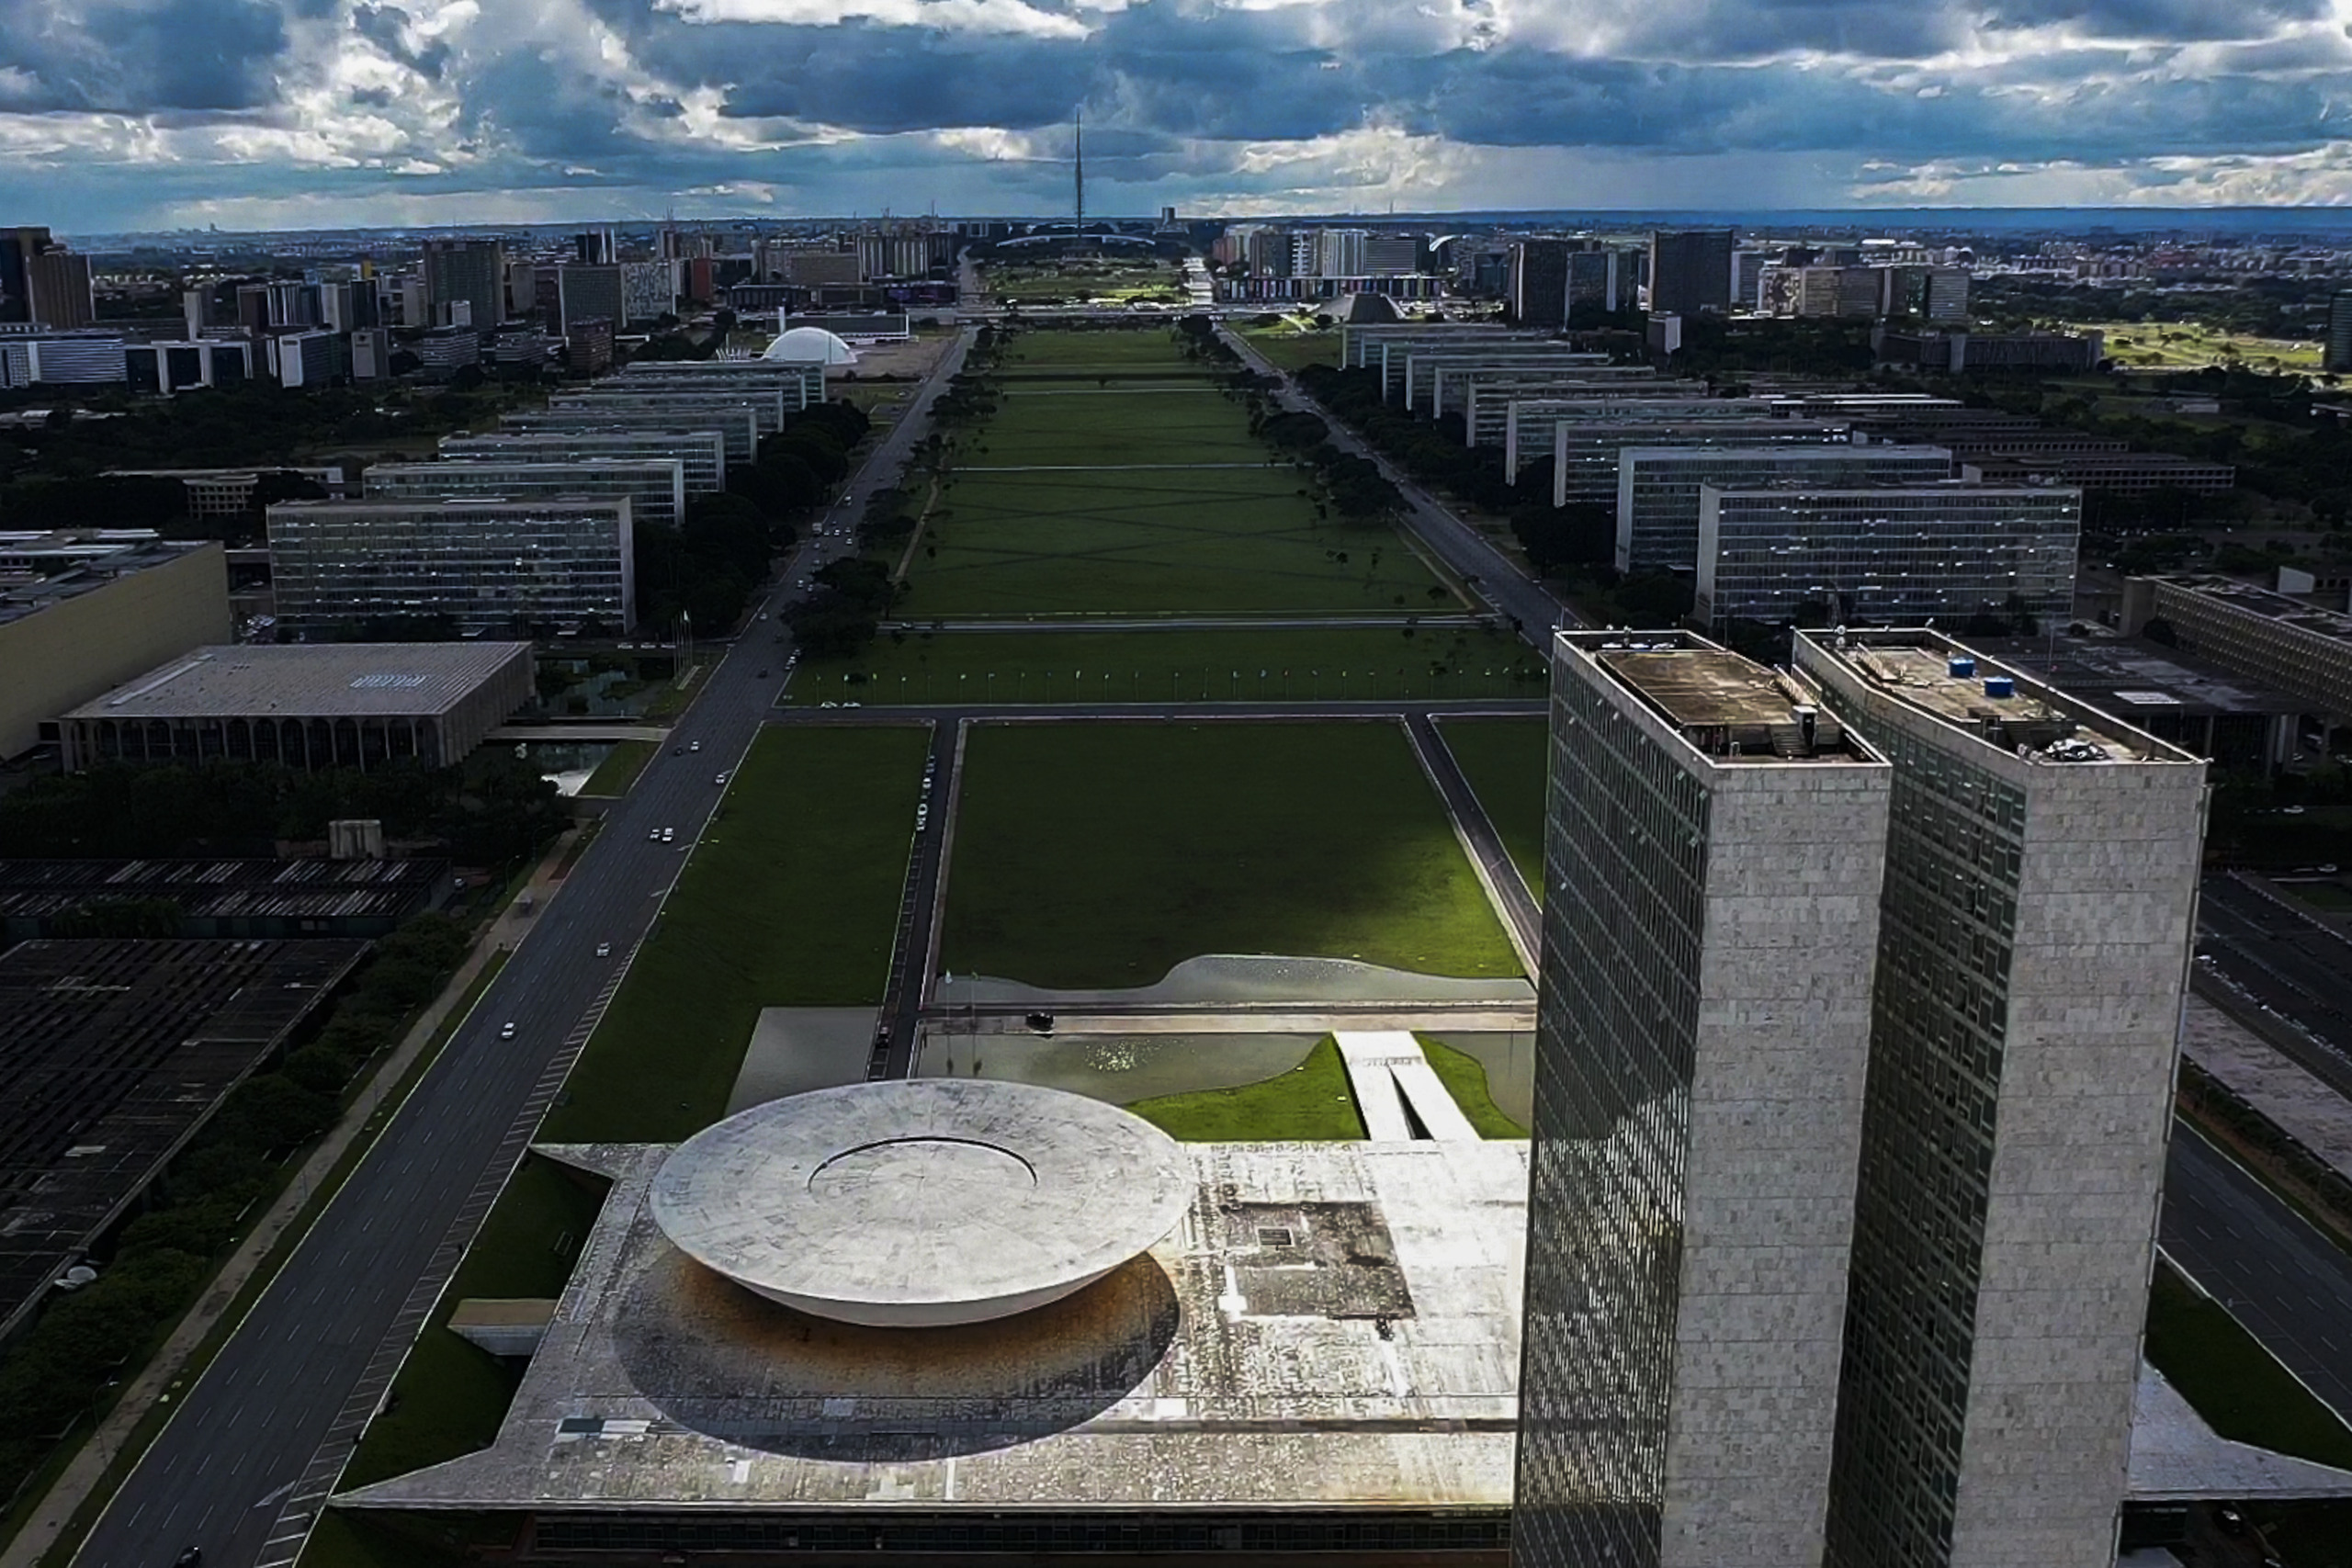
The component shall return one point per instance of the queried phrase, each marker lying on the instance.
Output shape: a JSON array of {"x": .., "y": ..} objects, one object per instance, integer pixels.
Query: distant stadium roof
[
  {"x": 805, "y": 345},
  {"x": 350, "y": 679}
]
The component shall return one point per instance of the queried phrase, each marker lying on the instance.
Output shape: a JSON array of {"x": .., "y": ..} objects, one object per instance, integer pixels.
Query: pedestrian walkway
[
  {"x": 154, "y": 1383},
  {"x": 1389, "y": 1071}
]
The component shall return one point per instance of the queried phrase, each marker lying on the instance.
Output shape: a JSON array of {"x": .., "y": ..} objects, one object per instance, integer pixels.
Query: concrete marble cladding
[{"x": 921, "y": 1203}]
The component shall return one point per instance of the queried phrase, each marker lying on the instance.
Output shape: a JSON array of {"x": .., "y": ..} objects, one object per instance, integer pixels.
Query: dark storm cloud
[
  {"x": 387, "y": 28},
  {"x": 139, "y": 56}
]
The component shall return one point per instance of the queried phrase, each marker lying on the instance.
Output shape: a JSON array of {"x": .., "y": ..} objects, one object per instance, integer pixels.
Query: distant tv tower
[{"x": 1079, "y": 171}]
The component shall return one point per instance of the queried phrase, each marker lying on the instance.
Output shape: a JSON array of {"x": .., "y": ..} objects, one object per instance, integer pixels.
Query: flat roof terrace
[
  {"x": 1995, "y": 703},
  {"x": 1723, "y": 704},
  {"x": 396, "y": 680},
  {"x": 1330, "y": 1328},
  {"x": 113, "y": 1054}
]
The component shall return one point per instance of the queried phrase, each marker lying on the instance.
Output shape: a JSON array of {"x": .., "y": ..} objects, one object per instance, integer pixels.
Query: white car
[
  {"x": 507, "y": 1031},
  {"x": 669, "y": 835},
  {"x": 694, "y": 745},
  {"x": 654, "y": 835},
  {"x": 603, "y": 950},
  {"x": 719, "y": 778}
]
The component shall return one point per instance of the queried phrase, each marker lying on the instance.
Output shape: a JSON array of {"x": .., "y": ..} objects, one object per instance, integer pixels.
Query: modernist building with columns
[{"x": 335, "y": 705}]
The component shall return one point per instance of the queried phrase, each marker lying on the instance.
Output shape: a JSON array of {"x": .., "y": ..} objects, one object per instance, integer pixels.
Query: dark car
[
  {"x": 678, "y": 750},
  {"x": 192, "y": 1557}
]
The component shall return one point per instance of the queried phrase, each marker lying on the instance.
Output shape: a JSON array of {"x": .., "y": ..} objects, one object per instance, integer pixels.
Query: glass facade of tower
[
  {"x": 1624, "y": 878},
  {"x": 1939, "y": 1011}
]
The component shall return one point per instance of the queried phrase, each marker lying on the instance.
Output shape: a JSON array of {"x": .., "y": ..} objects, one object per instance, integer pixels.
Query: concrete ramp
[{"x": 1389, "y": 1071}]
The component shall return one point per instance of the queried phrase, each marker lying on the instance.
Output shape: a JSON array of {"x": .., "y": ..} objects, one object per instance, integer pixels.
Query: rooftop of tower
[
  {"x": 1998, "y": 704},
  {"x": 1721, "y": 703}
]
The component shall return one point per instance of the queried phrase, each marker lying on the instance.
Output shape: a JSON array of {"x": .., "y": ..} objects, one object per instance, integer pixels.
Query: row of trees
[
  {"x": 59, "y": 1372},
  {"x": 709, "y": 567}
]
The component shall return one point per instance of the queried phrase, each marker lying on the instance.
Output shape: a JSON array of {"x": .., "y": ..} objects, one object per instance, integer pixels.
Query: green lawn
[
  {"x": 1311, "y": 1102},
  {"x": 1151, "y": 541},
  {"x": 1290, "y": 349},
  {"x": 449, "y": 1397},
  {"x": 1080, "y": 421},
  {"x": 1081, "y": 278},
  {"x": 791, "y": 900},
  {"x": 2333, "y": 897},
  {"x": 1504, "y": 761},
  {"x": 620, "y": 767},
  {"x": 1464, "y": 1078},
  {"x": 1078, "y": 529},
  {"x": 1075, "y": 665},
  {"x": 1103, "y": 854},
  {"x": 2242, "y": 1393}
]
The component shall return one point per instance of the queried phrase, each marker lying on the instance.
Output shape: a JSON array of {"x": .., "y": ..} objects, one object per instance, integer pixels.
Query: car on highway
[
  {"x": 763, "y": 675},
  {"x": 669, "y": 835},
  {"x": 763, "y": 614},
  {"x": 603, "y": 950},
  {"x": 678, "y": 750},
  {"x": 694, "y": 745},
  {"x": 506, "y": 1031},
  {"x": 720, "y": 777},
  {"x": 192, "y": 1557},
  {"x": 654, "y": 835}
]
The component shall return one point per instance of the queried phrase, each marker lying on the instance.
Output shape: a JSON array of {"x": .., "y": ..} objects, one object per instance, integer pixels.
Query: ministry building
[
  {"x": 484, "y": 566},
  {"x": 1789, "y": 553}
]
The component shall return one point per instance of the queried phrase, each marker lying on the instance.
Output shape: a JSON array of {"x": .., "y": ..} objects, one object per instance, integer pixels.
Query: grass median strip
[
  {"x": 619, "y": 769},
  {"x": 1103, "y": 854},
  {"x": 791, "y": 898},
  {"x": 1504, "y": 761},
  {"x": 2239, "y": 1387}
]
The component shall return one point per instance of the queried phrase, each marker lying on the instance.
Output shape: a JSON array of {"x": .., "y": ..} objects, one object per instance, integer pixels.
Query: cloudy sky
[{"x": 281, "y": 113}]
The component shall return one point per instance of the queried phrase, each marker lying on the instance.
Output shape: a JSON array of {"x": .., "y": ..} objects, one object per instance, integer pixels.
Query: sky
[{"x": 136, "y": 114}]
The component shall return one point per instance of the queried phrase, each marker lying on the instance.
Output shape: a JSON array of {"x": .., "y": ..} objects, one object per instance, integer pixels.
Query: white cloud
[{"x": 953, "y": 16}]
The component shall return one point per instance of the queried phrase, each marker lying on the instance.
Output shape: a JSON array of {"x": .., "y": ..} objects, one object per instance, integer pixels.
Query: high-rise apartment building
[
  {"x": 17, "y": 248},
  {"x": 61, "y": 289},
  {"x": 1711, "y": 876},
  {"x": 1538, "y": 288},
  {"x": 587, "y": 292},
  {"x": 1792, "y": 554},
  {"x": 2336, "y": 359},
  {"x": 486, "y": 566},
  {"x": 1657, "y": 487},
  {"x": 1853, "y": 1079},
  {"x": 1691, "y": 272},
  {"x": 2034, "y": 942},
  {"x": 471, "y": 272}
]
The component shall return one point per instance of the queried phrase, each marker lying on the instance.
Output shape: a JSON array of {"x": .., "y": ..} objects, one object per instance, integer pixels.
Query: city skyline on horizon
[{"x": 128, "y": 115}]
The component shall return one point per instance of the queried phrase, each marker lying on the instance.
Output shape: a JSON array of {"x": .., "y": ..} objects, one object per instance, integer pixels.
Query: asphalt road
[
  {"x": 241, "y": 1467},
  {"x": 2281, "y": 959},
  {"x": 2285, "y": 1281},
  {"x": 1453, "y": 541}
]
